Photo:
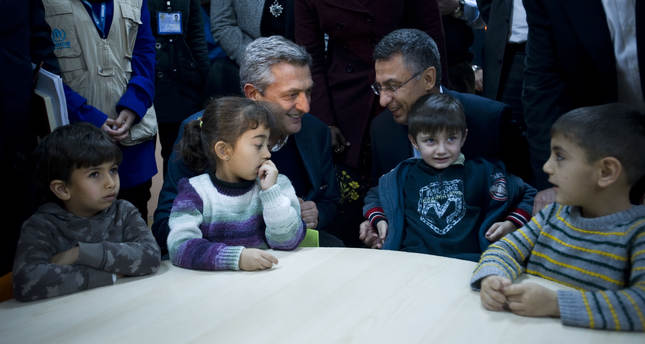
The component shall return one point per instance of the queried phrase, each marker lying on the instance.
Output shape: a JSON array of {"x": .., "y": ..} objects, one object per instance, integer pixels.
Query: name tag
[{"x": 169, "y": 23}]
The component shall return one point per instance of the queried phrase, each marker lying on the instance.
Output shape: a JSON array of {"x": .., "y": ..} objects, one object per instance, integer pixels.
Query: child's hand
[
  {"x": 499, "y": 229},
  {"x": 268, "y": 174},
  {"x": 67, "y": 257},
  {"x": 373, "y": 237},
  {"x": 532, "y": 300},
  {"x": 491, "y": 293},
  {"x": 253, "y": 259}
]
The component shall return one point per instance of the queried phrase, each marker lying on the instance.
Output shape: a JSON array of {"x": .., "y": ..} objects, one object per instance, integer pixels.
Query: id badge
[{"x": 169, "y": 23}]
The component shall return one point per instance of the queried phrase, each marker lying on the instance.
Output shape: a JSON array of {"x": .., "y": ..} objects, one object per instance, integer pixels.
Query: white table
[{"x": 314, "y": 295}]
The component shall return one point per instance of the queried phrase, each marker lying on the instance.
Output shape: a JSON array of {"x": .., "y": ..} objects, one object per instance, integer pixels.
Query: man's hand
[
  {"x": 447, "y": 6},
  {"x": 338, "y": 141},
  {"x": 67, "y": 257},
  {"x": 491, "y": 293},
  {"x": 253, "y": 259},
  {"x": 268, "y": 174},
  {"x": 542, "y": 199},
  {"x": 309, "y": 213},
  {"x": 530, "y": 299},
  {"x": 373, "y": 237},
  {"x": 498, "y": 229},
  {"x": 119, "y": 128}
]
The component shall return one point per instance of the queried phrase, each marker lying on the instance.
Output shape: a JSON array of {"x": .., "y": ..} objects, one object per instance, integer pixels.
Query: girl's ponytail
[{"x": 191, "y": 147}]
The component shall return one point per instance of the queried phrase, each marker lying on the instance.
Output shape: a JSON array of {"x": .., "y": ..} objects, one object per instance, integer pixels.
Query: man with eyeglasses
[{"x": 407, "y": 65}]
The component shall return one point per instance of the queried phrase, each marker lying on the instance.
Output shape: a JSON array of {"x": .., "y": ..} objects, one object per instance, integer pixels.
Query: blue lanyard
[{"x": 100, "y": 21}]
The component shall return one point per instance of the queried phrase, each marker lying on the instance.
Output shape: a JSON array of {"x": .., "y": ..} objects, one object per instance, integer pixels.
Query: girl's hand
[
  {"x": 268, "y": 174},
  {"x": 253, "y": 259}
]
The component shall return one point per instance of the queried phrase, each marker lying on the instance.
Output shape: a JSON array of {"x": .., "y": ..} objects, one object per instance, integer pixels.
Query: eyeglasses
[{"x": 378, "y": 89}]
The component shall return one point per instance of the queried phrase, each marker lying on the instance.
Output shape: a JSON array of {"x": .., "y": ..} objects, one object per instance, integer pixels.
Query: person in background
[
  {"x": 108, "y": 72},
  {"x": 24, "y": 40},
  {"x": 83, "y": 237},
  {"x": 342, "y": 64},
  {"x": 181, "y": 65},
  {"x": 592, "y": 239},
  {"x": 223, "y": 75},
  {"x": 579, "y": 53},
  {"x": 220, "y": 218}
]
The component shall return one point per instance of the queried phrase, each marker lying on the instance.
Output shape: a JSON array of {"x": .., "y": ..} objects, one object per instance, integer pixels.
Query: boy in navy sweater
[{"x": 439, "y": 203}]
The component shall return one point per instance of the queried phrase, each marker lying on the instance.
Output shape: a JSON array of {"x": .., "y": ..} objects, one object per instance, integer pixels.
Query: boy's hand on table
[
  {"x": 373, "y": 237},
  {"x": 532, "y": 300},
  {"x": 491, "y": 293},
  {"x": 253, "y": 259},
  {"x": 498, "y": 229},
  {"x": 67, "y": 257}
]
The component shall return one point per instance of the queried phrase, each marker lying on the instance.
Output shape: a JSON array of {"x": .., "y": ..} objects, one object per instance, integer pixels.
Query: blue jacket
[
  {"x": 389, "y": 196},
  {"x": 314, "y": 145}
]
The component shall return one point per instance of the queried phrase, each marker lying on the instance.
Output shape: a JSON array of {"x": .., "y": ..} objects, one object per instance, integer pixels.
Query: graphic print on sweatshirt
[{"x": 441, "y": 205}]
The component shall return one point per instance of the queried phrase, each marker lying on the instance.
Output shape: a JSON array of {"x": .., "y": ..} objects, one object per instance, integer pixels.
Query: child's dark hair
[
  {"x": 434, "y": 113},
  {"x": 224, "y": 119},
  {"x": 71, "y": 147},
  {"x": 616, "y": 130}
]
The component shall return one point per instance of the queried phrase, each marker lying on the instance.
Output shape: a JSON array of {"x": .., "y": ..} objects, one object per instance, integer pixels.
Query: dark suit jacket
[
  {"x": 343, "y": 74},
  {"x": 313, "y": 142},
  {"x": 497, "y": 15},
  {"x": 570, "y": 63},
  {"x": 390, "y": 144}
]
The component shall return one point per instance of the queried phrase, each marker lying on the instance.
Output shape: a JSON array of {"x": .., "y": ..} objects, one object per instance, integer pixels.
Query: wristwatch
[{"x": 459, "y": 11}]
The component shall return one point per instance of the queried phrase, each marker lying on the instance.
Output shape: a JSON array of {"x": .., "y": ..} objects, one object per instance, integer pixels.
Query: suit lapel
[{"x": 307, "y": 156}]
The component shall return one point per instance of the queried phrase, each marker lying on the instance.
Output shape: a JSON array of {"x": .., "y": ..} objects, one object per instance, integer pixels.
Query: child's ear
[
  {"x": 252, "y": 92},
  {"x": 223, "y": 150},
  {"x": 59, "y": 188},
  {"x": 610, "y": 171},
  {"x": 413, "y": 142}
]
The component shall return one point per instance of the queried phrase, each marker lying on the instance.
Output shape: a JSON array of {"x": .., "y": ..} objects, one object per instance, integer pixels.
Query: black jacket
[{"x": 181, "y": 62}]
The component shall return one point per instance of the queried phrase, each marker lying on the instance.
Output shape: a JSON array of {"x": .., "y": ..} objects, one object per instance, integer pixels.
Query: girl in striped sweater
[
  {"x": 222, "y": 219},
  {"x": 592, "y": 239}
]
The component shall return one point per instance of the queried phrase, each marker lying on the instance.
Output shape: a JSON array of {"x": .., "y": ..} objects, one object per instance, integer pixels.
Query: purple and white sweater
[{"x": 212, "y": 221}]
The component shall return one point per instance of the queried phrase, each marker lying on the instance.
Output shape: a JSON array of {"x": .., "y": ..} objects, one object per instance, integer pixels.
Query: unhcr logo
[{"x": 59, "y": 37}]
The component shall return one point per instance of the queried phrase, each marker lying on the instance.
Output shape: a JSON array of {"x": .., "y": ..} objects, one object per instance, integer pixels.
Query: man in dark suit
[
  {"x": 579, "y": 53},
  {"x": 406, "y": 64},
  {"x": 276, "y": 70},
  {"x": 407, "y": 68}
]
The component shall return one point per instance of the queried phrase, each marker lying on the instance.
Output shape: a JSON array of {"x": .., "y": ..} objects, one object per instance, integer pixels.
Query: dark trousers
[
  {"x": 138, "y": 195},
  {"x": 167, "y": 135},
  {"x": 514, "y": 141}
]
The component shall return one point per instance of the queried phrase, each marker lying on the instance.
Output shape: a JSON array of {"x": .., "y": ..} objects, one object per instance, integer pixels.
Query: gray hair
[
  {"x": 265, "y": 52},
  {"x": 419, "y": 50}
]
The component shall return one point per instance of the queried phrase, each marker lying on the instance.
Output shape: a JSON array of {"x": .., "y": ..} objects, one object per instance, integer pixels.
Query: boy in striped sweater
[{"x": 592, "y": 239}]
